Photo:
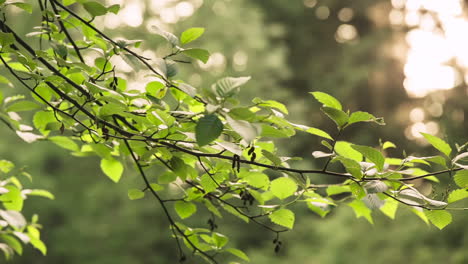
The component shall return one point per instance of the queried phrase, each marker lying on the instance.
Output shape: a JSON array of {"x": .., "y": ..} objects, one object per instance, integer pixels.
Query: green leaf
[
  {"x": 357, "y": 190},
  {"x": 338, "y": 116},
  {"x": 271, "y": 131},
  {"x": 457, "y": 195},
  {"x": 13, "y": 218},
  {"x": 388, "y": 144},
  {"x": 13, "y": 243},
  {"x": 41, "y": 119},
  {"x": 371, "y": 154},
  {"x": 439, "y": 218},
  {"x": 438, "y": 143},
  {"x": 327, "y": 100},
  {"x": 38, "y": 244},
  {"x": 220, "y": 240},
  {"x": 236, "y": 252},
  {"x": 112, "y": 168},
  {"x": 199, "y": 54},
  {"x": 319, "y": 208},
  {"x": 6, "y": 166},
  {"x": 283, "y": 217},
  {"x": 460, "y": 178},
  {"x": 336, "y": 189},
  {"x": 361, "y": 210},
  {"x": 65, "y": 142},
  {"x": 227, "y": 87},
  {"x": 114, "y": 9},
  {"x": 344, "y": 149},
  {"x": 154, "y": 89},
  {"x": 319, "y": 132},
  {"x": 245, "y": 129},
  {"x": 38, "y": 192},
  {"x": 234, "y": 212},
  {"x": 171, "y": 38},
  {"x": 270, "y": 104},
  {"x": 257, "y": 180},
  {"x": 111, "y": 109},
  {"x": 242, "y": 113},
  {"x": 185, "y": 209},
  {"x": 208, "y": 128},
  {"x": 68, "y": 2},
  {"x": 208, "y": 183},
  {"x": 272, "y": 157},
  {"x": 95, "y": 8},
  {"x": 6, "y": 39},
  {"x": 12, "y": 200},
  {"x": 364, "y": 117},
  {"x": 283, "y": 187},
  {"x": 351, "y": 166},
  {"x": 180, "y": 168},
  {"x": 135, "y": 194},
  {"x": 20, "y": 106},
  {"x": 389, "y": 208},
  {"x": 26, "y": 7},
  {"x": 188, "y": 89},
  {"x": 191, "y": 34}
]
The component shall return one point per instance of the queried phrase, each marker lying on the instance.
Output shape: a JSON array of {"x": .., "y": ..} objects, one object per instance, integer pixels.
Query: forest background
[{"x": 357, "y": 51}]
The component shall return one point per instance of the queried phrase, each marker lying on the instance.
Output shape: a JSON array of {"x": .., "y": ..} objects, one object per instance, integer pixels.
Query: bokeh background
[{"x": 404, "y": 60}]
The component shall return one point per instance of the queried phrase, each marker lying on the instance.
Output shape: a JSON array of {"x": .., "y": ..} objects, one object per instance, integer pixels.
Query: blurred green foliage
[{"x": 290, "y": 52}]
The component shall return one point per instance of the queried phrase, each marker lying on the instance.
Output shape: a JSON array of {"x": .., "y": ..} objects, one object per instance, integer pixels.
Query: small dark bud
[{"x": 254, "y": 156}]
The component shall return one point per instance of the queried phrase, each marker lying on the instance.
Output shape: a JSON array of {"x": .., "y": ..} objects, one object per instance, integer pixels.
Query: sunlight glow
[
  {"x": 435, "y": 42},
  {"x": 345, "y": 32},
  {"x": 310, "y": 3},
  {"x": 184, "y": 9},
  {"x": 216, "y": 63},
  {"x": 417, "y": 115},
  {"x": 322, "y": 12},
  {"x": 345, "y": 14},
  {"x": 132, "y": 13},
  {"x": 239, "y": 60}
]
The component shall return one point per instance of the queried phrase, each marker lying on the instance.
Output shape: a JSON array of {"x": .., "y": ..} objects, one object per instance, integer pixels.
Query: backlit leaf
[
  {"x": 112, "y": 168},
  {"x": 95, "y": 8},
  {"x": 236, "y": 252},
  {"x": 364, "y": 117},
  {"x": 457, "y": 195},
  {"x": 439, "y": 218},
  {"x": 65, "y": 142},
  {"x": 283, "y": 217},
  {"x": 191, "y": 34},
  {"x": 438, "y": 143},
  {"x": 185, "y": 209},
  {"x": 372, "y": 155},
  {"x": 338, "y": 116},
  {"x": 199, "y": 54},
  {"x": 461, "y": 178},
  {"x": 319, "y": 132},
  {"x": 283, "y": 187},
  {"x": 327, "y": 100},
  {"x": 135, "y": 194},
  {"x": 361, "y": 210},
  {"x": 344, "y": 149},
  {"x": 257, "y": 180},
  {"x": 389, "y": 208}
]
